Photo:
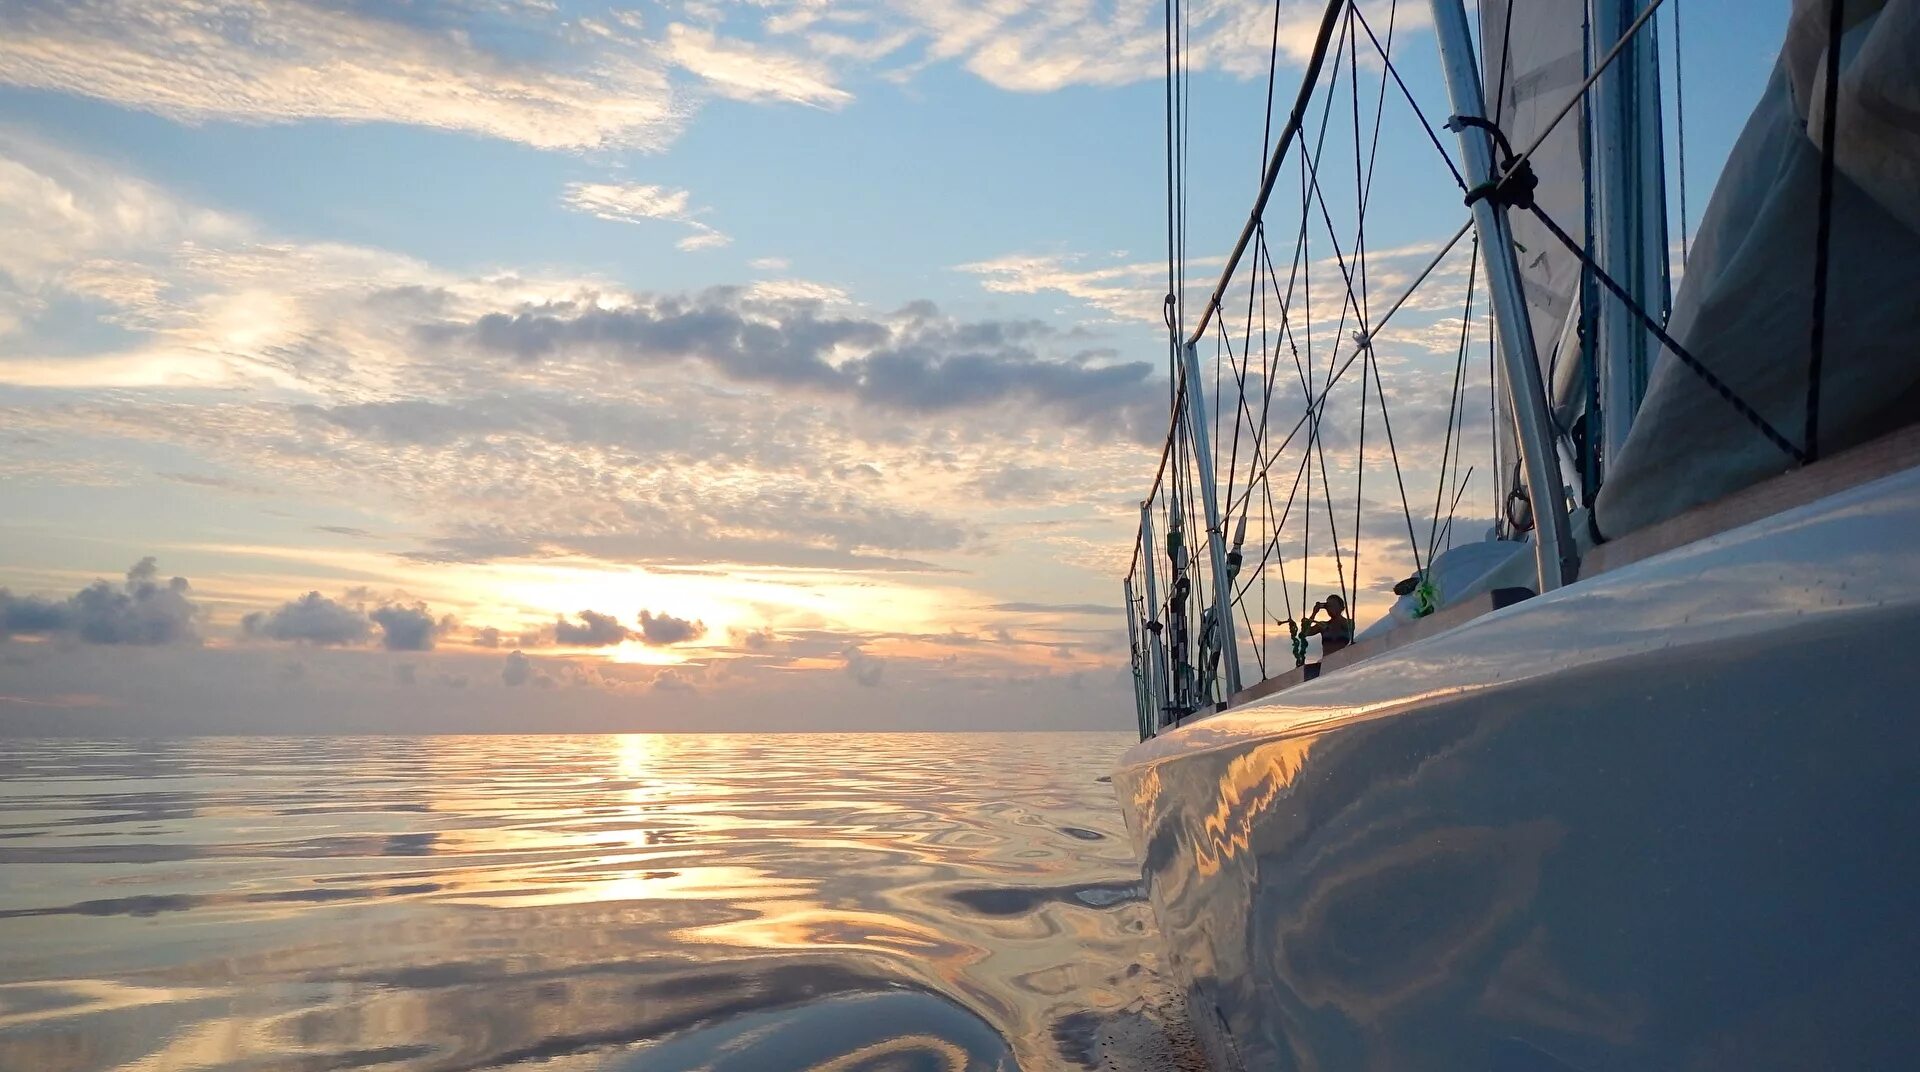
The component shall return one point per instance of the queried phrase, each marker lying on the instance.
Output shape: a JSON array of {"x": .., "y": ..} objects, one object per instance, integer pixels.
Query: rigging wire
[
  {"x": 1323, "y": 37},
  {"x": 1516, "y": 162},
  {"x": 1360, "y": 255},
  {"x": 1453, "y": 398},
  {"x": 1433, "y": 136},
  {"x": 1680, "y": 131}
]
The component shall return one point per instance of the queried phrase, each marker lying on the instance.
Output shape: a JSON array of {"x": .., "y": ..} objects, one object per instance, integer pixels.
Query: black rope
[
  {"x": 1836, "y": 26},
  {"x": 1693, "y": 363}
]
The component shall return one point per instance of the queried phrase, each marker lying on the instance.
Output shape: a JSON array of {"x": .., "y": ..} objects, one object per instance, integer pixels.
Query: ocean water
[{"x": 638, "y": 902}]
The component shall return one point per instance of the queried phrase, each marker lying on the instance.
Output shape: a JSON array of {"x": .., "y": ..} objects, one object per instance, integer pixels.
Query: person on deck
[{"x": 1336, "y": 631}]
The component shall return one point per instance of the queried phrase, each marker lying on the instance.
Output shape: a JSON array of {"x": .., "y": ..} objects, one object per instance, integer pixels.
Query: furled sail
[
  {"x": 1535, "y": 61},
  {"x": 1745, "y": 306}
]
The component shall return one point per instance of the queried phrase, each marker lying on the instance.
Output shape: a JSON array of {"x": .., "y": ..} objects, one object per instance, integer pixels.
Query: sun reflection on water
[{"x": 651, "y": 901}]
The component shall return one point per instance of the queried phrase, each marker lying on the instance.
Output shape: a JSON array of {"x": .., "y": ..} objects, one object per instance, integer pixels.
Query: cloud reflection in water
[{"x": 660, "y": 902}]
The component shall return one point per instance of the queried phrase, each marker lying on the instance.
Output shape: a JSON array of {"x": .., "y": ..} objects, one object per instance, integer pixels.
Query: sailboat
[{"x": 1631, "y": 783}]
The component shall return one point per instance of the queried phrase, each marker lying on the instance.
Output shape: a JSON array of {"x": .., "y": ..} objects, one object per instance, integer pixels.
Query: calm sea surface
[{"x": 670, "y": 902}]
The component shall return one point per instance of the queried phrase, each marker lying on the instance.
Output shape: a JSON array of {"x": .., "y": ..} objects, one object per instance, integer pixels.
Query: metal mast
[
  {"x": 1160, "y": 688},
  {"x": 1629, "y": 183},
  {"x": 1199, "y": 436}
]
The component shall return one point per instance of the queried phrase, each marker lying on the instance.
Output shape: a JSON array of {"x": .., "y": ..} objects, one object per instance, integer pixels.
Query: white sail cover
[
  {"x": 1534, "y": 59},
  {"x": 1745, "y": 306}
]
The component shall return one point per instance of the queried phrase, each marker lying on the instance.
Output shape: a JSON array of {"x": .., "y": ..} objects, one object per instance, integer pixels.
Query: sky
[{"x": 541, "y": 365}]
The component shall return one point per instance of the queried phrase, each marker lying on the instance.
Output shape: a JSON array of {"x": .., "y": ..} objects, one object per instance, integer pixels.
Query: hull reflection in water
[
  {"x": 1661, "y": 819},
  {"x": 731, "y": 903}
]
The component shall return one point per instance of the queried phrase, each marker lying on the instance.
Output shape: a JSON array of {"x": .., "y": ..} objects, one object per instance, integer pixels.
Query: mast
[
  {"x": 1553, "y": 546},
  {"x": 1222, "y": 584},
  {"x": 1630, "y": 242},
  {"x": 1141, "y": 703},
  {"x": 1159, "y": 688}
]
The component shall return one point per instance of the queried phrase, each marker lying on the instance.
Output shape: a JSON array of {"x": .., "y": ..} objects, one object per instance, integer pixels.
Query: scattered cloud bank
[
  {"x": 553, "y": 84},
  {"x": 532, "y": 416},
  {"x": 915, "y": 359},
  {"x": 532, "y": 72},
  {"x": 141, "y": 610}
]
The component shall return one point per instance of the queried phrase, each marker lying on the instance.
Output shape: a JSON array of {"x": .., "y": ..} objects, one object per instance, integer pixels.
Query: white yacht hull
[{"x": 1668, "y": 817}]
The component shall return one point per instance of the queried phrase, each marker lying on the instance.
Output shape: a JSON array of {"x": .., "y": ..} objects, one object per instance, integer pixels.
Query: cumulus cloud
[
  {"x": 142, "y": 610},
  {"x": 865, "y": 669},
  {"x": 316, "y": 619},
  {"x": 660, "y": 630},
  {"x": 310, "y": 619},
  {"x": 519, "y": 670},
  {"x": 594, "y": 631},
  {"x": 408, "y": 628},
  {"x": 635, "y": 202},
  {"x": 760, "y": 639}
]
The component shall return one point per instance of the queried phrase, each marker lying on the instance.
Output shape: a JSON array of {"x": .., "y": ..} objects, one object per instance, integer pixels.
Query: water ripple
[{"x": 734, "y": 903}]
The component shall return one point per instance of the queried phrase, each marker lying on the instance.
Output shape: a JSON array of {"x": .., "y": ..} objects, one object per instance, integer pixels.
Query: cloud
[
  {"x": 408, "y": 628},
  {"x": 916, "y": 359},
  {"x": 637, "y": 202},
  {"x": 1041, "y": 48},
  {"x": 750, "y": 72},
  {"x": 660, "y": 630},
  {"x": 218, "y": 482},
  {"x": 310, "y": 619},
  {"x": 768, "y": 264},
  {"x": 515, "y": 671},
  {"x": 488, "y": 637},
  {"x": 595, "y": 631},
  {"x": 1056, "y": 608},
  {"x": 548, "y": 83},
  {"x": 33, "y": 615},
  {"x": 866, "y": 670},
  {"x": 142, "y": 611},
  {"x": 760, "y": 639}
]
